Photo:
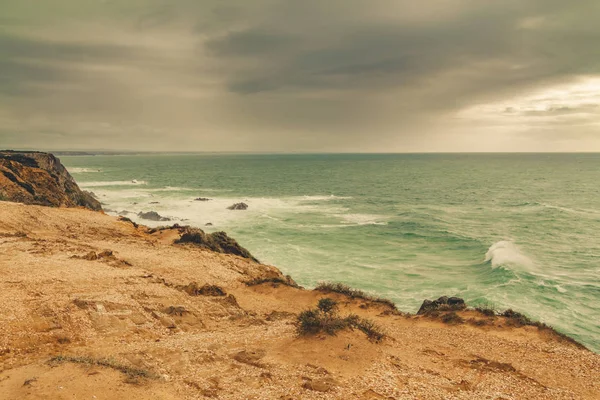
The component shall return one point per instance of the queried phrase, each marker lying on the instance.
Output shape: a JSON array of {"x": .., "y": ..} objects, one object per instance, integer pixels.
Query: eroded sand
[{"x": 128, "y": 309}]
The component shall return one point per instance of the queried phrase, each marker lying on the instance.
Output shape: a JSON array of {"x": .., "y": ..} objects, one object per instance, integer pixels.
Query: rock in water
[
  {"x": 152, "y": 216},
  {"x": 40, "y": 179},
  {"x": 238, "y": 206}
]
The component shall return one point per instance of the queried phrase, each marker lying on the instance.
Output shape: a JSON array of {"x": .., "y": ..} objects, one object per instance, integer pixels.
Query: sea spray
[{"x": 507, "y": 253}]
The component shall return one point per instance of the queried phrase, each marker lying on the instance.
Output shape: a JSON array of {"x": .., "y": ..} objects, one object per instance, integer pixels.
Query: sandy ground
[{"x": 126, "y": 330}]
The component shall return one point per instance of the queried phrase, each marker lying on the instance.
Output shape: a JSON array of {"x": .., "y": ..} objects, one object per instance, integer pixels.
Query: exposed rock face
[
  {"x": 40, "y": 178},
  {"x": 238, "y": 206},
  {"x": 444, "y": 303},
  {"x": 218, "y": 241},
  {"x": 152, "y": 216}
]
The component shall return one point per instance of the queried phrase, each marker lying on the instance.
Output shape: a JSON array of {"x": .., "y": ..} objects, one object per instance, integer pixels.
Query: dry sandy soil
[{"x": 79, "y": 326}]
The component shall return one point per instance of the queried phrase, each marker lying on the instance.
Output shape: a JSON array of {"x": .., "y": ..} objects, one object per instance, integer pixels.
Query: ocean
[{"x": 517, "y": 231}]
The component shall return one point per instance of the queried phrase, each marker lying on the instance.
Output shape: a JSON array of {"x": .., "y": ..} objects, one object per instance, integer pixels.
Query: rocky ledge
[{"x": 40, "y": 179}]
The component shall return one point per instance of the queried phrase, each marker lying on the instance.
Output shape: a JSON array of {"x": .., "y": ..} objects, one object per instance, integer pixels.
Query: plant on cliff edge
[{"x": 325, "y": 318}]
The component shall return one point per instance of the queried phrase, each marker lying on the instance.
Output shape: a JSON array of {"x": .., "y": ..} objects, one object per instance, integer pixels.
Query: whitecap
[
  {"x": 322, "y": 198},
  {"x": 362, "y": 219},
  {"x": 560, "y": 289},
  {"x": 83, "y": 170},
  {"x": 112, "y": 183},
  {"x": 504, "y": 253}
]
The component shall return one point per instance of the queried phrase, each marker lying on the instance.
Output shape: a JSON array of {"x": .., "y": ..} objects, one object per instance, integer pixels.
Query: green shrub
[
  {"x": 327, "y": 305},
  {"x": 325, "y": 319}
]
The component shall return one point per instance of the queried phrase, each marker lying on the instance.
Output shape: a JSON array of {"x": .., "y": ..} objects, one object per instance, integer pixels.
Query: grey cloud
[
  {"x": 389, "y": 56},
  {"x": 564, "y": 110},
  {"x": 279, "y": 74},
  {"x": 26, "y": 60}
]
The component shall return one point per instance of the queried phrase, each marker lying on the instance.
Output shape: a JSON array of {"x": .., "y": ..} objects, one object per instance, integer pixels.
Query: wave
[
  {"x": 506, "y": 253},
  {"x": 362, "y": 219},
  {"x": 83, "y": 170},
  {"x": 322, "y": 198},
  {"x": 556, "y": 207},
  {"x": 569, "y": 210},
  {"x": 112, "y": 183}
]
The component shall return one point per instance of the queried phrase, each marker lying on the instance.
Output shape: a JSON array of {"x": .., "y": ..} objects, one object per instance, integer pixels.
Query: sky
[{"x": 300, "y": 75}]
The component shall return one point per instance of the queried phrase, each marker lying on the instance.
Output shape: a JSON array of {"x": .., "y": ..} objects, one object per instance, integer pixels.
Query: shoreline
[{"x": 126, "y": 304}]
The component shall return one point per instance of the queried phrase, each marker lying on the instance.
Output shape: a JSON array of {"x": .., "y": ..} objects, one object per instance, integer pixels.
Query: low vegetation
[
  {"x": 133, "y": 374},
  {"x": 325, "y": 318},
  {"x": 337, "y": 287},
  {"x": 452, "y": 318},
  {"x": 287, "y": 281},
  {"x": 193, "y": 289}
]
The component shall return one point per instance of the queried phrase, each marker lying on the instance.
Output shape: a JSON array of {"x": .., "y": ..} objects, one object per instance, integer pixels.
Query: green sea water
[{"x": 517, "y": 231}]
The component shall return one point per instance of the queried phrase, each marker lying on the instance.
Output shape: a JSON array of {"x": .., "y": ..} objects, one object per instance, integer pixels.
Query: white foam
[
  {"x": 362, "y": 219},
  {"x": 321, "y": 198},
  {"x": 569, "y": 210},
  {"x": 504, "y": 253},
  {"x": 112, "y": 183},
  {"x": 83, "y": 170}
]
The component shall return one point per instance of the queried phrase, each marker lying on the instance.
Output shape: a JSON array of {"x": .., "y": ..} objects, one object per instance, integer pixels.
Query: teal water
[{"x": 519, "y": 231}]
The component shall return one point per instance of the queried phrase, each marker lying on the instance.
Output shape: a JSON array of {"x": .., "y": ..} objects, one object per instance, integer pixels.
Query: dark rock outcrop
[
  {"x": 207, "y": 290},
  {"x": 125, "y": 219},
  {"x": 40, "y": 179},
  {"x": 152, "y": 216},
  {"x": 217, "y": 241},
  {"x": 444, "y": 303},
  {"x": 238, "y": 206}
]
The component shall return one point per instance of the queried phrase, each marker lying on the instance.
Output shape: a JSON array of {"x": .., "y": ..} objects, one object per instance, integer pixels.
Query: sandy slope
[{"x": 127, "y": 308}]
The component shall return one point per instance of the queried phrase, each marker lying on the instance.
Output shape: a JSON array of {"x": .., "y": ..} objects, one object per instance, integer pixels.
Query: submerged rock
[
  {"x": 152, "y": 216},
  {"x": 444, "y": 303},
  {"x": 40, "y": 179},
  {"x": 238, "y": 206}
]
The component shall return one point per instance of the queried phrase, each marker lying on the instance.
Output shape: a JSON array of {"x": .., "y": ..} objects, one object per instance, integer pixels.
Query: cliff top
[{"x": 93, "y": 307}]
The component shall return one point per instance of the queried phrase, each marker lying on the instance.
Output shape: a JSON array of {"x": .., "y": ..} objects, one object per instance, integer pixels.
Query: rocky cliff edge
[{"x": 40, "y": 179}]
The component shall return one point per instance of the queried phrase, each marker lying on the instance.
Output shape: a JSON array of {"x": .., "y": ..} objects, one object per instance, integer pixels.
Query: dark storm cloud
[
  {"x": 25, "y": 61},
  {"x": 285, "y": 75},
  {"x": 485, "y": 37}
]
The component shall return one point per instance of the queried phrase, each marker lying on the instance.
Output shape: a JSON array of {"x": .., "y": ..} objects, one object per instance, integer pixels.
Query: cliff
[
  {"x": 96, "y": 308},
  {"x": 40, "y": 178}
]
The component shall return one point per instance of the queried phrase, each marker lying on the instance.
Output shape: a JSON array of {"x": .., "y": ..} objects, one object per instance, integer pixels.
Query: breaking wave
[
  {"x": 83, "y": 170},
  {"x": 504, "y": 253},
  {"x": 112, "y": 183}
]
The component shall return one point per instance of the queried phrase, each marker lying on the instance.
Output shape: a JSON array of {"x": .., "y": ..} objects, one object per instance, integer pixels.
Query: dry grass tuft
[
  {"x": 286, "y": 281},
  {"x": 133, "y": 375},
  {"x": 341, "y": 288}
]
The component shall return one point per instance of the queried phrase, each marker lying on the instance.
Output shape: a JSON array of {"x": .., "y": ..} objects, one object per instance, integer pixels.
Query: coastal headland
[{"x": 97, "y": 307}]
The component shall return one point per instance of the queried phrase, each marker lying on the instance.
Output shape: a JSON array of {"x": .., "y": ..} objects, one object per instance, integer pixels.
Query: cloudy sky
[{"x": 300, "y": 75}]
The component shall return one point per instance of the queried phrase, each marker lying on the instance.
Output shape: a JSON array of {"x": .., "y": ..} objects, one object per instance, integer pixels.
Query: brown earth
[{"x": 95, "y": 308}]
